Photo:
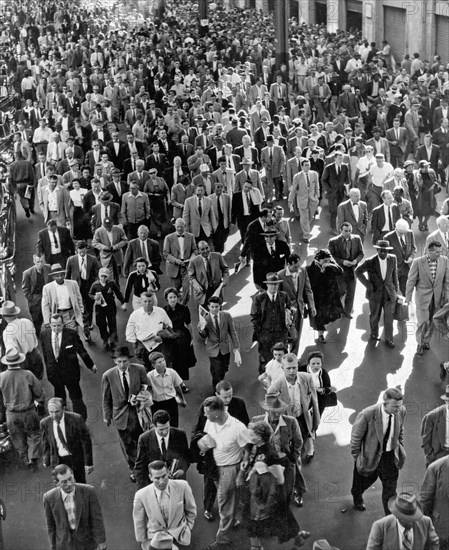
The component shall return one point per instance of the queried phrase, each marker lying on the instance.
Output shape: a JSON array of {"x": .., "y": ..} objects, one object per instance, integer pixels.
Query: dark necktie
[
  {"x": 406, "y": 539},
  {"x": 61, "y": 436},
  {"x": 55, "y": 241},
  {"x": 307, "y": 180},
  {"x": 163, "y": 449},
  {"x": 200, "y": 208},
  {"x": 217, "y": 328},
  {"x": 390, "y": 219},
  {"x": 209, "y": 270},
  {"x": 220, "y": 211},
  {"x": 125, "y": 384},
  {"x": 403, "y": 244},
  {"x": 387, "y": 434},
  {"x": 249, "y": 202},
  {"x": 348, "y": 248}
]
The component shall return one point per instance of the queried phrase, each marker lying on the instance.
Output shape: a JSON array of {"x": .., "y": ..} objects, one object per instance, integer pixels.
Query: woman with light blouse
[{"x": 79, "y": 219}]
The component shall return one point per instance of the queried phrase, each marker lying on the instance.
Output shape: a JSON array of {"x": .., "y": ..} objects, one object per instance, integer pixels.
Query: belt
[
  {"x": 67, "y": 309},
  {"x": 229, "y": 465}
]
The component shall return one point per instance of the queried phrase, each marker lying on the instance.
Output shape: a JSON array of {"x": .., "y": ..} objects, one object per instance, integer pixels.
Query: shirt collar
[{"x": 64, "y": 495}]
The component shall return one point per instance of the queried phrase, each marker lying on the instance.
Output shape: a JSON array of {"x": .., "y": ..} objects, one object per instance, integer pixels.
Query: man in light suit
[
  {"x": 110, "y": 240},
  {"x": 278, "y": 91},
  {"x": 248, "y": 174},
  {"x": 384, "y": 216},
  {"x": 273, "y": 159},
  {"x": 75, "y": 447},
  {"x": 70, "y": 303},
  {"x": 336, "y": 182},
  {"x": 85, "y": 529},
  {"x": 219, "y": 332},
  {"x": 164, "y": 510},
  {"x": 293, "y": 167},
  {"x": 118, "y": 384},
  {"x": 440, "y": 235},
  {"x": 55, "y": 203},
  {"x": 221, "y": 203},
  {"x": 347, "y": 251},
  {"x": 434, "y": 431},
  {"x": 162, "y": 442},
  {"x": 377, "y": 447},
  {"x": 33, "y": 281},
  {"x": 434, "y": 497},
  {"x": 304, "y": 404},
  {"x": 199, "y": 215},
  {"x": 402, "y": 240},
  {"x": 405, "y": 523},
  {"x": 429, "y": 278},
  {"x": 296, "y": 284},
  {"x": 206, "y": 273},
  {"x": 397, "y": 140},
  {"x": 304, "y": 197},
  {"x": 61, "y": 347},
  {"x": 142, "y": 247},
  {"x": 355, "y": 212},
  {"x": 179, "y": 249},
  {"x": 83, "y": 268},
  {"x": 382, "y": 288}
]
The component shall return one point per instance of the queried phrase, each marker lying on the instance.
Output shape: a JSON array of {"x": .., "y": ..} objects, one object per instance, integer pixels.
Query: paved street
[{"x": 360, "y": 370}]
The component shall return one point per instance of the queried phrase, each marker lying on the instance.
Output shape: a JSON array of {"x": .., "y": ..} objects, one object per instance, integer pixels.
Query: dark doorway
[
  {"x": 354, "y": 20},
  {"x": 321, "y": 13}
]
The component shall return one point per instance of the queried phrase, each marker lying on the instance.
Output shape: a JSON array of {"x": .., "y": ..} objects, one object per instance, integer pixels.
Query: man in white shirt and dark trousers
[{"x": 227, "y": 437}]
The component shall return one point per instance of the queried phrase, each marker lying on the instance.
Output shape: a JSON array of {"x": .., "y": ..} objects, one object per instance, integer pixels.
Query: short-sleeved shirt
[
  {"x": 164, "y": 386},
  {"x": 230, "y": 439}
]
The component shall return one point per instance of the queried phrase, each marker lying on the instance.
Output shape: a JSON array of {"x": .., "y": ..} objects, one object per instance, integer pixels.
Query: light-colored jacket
[
  {"x": 302, "y": 192},
  {"x": 434, "y": 495},
  {"x": 50, "y": 301}
]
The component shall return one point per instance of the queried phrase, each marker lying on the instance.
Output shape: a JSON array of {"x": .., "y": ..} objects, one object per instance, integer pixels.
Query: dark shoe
[
  {"x": 390, "y": 343},
  {"x": 208, "y": 515},
  {"x": 426, "y": 346},
  {"x": 27, "y": 213},
  {"x": 321, "y": 339},
  {"x": 347, "y": 315},
  {"x": 237, "y": 524},
  {"x": 300, "y": 540},
  {"x": 309, "y": 458},
  {"x": 442, "y": 372},
  {"x": 132, "y": 477},
  {"x": 374, "y": 337},
  {"x": 419, "y": 350},
  {"x": 359, "y": 506},
  {"x": 298, "y": 500}
]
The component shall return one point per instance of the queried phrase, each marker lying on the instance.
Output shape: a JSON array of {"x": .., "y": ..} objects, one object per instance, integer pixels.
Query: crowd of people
[{"x": 145, "y": 144}]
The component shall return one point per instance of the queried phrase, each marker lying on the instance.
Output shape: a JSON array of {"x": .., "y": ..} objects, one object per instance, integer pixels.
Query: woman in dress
[
  {"x": 181, "y": 353},
  {"x": 141, "y": 280},
  {"x": 266, "y": 511},
  {"x": 323, "y": 272},
  {"x": 80, "y": 221},
  {"x": 426, "y": 181}
]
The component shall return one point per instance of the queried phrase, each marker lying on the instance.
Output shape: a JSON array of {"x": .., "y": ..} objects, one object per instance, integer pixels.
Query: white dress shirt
[
  {"x": 385, "y": 417},
  {"x": 62, "y": 451}
]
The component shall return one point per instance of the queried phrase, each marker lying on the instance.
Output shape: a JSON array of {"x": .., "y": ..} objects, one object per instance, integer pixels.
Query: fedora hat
[
  {"x": 405, "y": 506},
  {"x": 322, "y": 544},
  {"x": 273, "y": 403},
  {"x": 383, "y": 245},
  {"x": 9, "y": 308},
  {"x": 446, "y": 395},
  {"x": 13, "y": 357},
  {"x": 409, "y": 163},
  {"x": 270, "y": 232},
  {"x": 162, "y": 541},
  {"x": 56, "y": 268},
  {"x": 272, "y": 278},
  {"x": 122, "y": 351},
  {"x": 105, "y": 196}
]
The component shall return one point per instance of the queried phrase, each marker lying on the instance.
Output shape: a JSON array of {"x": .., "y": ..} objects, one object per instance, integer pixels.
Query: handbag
[
  {"x": 330, "y": 399},
  {"x": 401, "y": 312}
]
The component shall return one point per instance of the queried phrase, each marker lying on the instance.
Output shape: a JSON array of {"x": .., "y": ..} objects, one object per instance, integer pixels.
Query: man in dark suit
[
  {"x": 116, "y": 187},
  {"x": 397, "y": 139},
  {"x": 355, "y": 212},
  {"x": 61, "y": 347},
  {"x": 162, "y": 442},
  {"x": 382, "y": 288},
  {"x": 427, "y": 111},
  {"x": 402, "y": 240},
  {"x": 336, "y": 182},
  {"x": 434, "y": 431},
  {"x": 269, "y": 318},
  {"x": 73, "y": 514},
  {"x": 66, "y": 440},
  {"x": 244, "y": 211},
  {"x": 440, "y": 137},
  {"x": 117, "y": 151},
  {"x": 157, "y": 159},
  {"x": 270, "y": 257},
  {"x": 118, "y": 385},
  {"x": 384, "y": 216},
  {"x": 205, "y": 463},
  {"x": 221, "y": 203},
  {"x": 55, "y": 244},
  {"x": 184, "y": 150},
  {"x": 142, "y": 247},
  {"x": 83, "y": 268},
  {"x": 33, "y": 281},
  {"x": 247, "y": 151},
  {"x": 253, "y": 236},
  {"x": 347, "y": 251},
  {"x": 429, "y": 152},
  {"x": 106, "y": 208},
  {"x": 296, "y": 284},
  {"x": 440, "y": 112}
]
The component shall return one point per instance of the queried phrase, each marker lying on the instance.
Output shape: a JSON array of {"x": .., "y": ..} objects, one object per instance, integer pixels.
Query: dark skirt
[
  {"x": 181, "y": 354},
  {"x": 81, "y": 224}
]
